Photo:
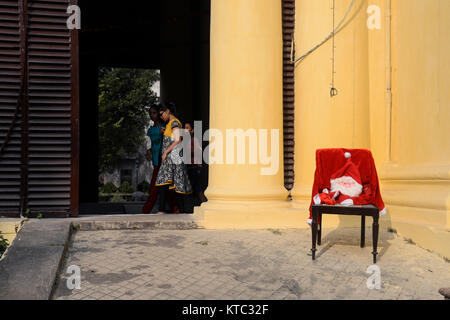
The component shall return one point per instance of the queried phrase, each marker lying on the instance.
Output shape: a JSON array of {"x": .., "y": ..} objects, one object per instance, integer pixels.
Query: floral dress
[{"x": 173, "y": 171}]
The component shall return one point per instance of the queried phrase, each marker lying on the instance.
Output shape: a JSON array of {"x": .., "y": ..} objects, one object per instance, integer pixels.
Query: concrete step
[{"x": 135, "y": 222}]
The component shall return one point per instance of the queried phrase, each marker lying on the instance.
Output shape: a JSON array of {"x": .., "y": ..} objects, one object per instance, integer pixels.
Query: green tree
[
  {"x": 126, "y": 187},
  {"x": 109, "y": 187},
  {"x": 124, "y": 95}
]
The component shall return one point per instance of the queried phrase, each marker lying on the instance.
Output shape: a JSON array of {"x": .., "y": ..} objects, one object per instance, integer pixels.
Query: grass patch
[
  {"x": 3, "y": 244},
  {"x": 203, "y": 243}
]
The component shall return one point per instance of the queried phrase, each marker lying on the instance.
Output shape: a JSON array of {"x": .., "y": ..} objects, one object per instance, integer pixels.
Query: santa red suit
[{"x": 346, "y": 177}]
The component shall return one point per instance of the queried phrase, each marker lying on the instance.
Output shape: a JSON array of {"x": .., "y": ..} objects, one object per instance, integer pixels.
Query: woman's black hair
[
  {"x": 157, "y": 107},
  {"x": 169, "y": 106},
  {"x": 189, "y": 122}
]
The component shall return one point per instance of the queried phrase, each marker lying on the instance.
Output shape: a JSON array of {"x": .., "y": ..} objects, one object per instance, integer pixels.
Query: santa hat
[{"x": 348, "y": 170}]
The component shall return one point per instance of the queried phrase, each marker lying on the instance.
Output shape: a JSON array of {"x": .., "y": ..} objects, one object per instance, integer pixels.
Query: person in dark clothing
[{"x": 195, "y": 167}]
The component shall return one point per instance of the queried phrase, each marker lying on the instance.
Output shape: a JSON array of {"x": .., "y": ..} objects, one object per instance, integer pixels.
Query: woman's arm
[{"x": 176, "y": 135}]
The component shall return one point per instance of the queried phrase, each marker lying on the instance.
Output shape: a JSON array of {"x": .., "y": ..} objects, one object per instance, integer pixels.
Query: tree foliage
[
  {"x": 126, "y": 187},
  {"x": 109, "y": 187},
  {"x": 124, "y": 95}
]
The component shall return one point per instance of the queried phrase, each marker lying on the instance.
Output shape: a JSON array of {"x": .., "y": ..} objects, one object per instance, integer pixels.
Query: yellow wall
[
  {"x": 410, "y": 139},
  {"x": 322, "y": 121},
  {"x": 8, "y": 229}
]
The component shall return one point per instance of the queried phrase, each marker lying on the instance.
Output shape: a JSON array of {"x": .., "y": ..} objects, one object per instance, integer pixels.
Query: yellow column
[
  {"x": 246, "y": 93},
  {"x": 322, "y": 121},
  {"x": 415, "y": 173}
]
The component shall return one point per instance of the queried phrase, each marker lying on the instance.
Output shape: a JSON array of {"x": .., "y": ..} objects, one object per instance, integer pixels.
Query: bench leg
[
  {"x": 319, "y": 233},
  {"x": 314, "y": 232},
  {"x": 375, "y": 228},
  {"x": 363, "y": 231}
]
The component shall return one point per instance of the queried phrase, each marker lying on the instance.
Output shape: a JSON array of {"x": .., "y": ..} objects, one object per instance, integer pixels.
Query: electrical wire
[
  {"x": 333, "y": 90},
  {"x": 329, "y": 36}
]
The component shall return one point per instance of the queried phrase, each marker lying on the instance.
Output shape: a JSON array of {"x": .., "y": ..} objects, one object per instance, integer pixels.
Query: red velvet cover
[{"x": 328, "y": 161}]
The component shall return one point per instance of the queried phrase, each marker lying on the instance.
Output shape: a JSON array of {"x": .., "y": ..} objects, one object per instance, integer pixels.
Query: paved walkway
[{"x": 246, "y": 264}]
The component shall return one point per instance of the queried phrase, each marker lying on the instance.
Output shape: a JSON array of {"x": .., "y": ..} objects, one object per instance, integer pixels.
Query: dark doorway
[{"x": 167, "y": 35}]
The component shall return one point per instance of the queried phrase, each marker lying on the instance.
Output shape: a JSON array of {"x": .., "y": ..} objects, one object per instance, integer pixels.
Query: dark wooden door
[{"x": 38, "y": 80}]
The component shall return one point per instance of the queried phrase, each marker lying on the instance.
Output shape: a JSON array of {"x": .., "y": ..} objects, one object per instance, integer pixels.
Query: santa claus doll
[{"x": 346, "y": 186}]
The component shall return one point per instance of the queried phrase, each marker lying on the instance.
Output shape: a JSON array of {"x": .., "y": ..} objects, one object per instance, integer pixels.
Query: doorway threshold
[{"x": 100, "y": 208}]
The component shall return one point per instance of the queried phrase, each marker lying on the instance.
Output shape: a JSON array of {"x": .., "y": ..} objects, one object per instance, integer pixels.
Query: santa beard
[{"x": 354, "y": 191}]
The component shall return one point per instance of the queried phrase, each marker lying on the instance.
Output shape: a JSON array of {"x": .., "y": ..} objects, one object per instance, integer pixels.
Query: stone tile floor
[{"x": 246, "y": 264}]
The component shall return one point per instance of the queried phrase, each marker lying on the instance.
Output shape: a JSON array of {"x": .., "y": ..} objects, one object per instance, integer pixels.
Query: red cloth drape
[{"x": 328, "y": 161}]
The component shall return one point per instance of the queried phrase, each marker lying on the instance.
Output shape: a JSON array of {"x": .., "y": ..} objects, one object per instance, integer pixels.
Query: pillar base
[
  {"x": 434, "y": 238},
  {"x": 249, "y": 215}
]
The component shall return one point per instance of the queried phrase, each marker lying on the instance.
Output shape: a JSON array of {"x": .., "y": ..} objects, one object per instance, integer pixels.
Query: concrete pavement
[{"x": 246, "y": 264}]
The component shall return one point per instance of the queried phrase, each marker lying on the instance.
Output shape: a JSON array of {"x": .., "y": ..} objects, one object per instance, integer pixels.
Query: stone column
[{"x": 246, "y": 93}]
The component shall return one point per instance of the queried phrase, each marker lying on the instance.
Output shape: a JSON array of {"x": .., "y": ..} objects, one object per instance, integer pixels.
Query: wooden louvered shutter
[
  {"x": 48, "y": 134},
  {"x": 288, "y": 92},
  {"x": 50, "y": 106},
  {"x": 10, "y": 87}
]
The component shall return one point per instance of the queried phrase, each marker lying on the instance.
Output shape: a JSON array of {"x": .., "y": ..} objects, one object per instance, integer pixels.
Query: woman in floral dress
[{"x": 172, "y": 172}]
